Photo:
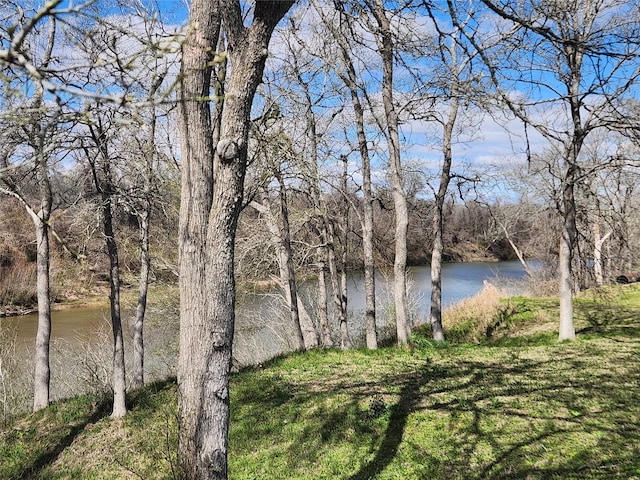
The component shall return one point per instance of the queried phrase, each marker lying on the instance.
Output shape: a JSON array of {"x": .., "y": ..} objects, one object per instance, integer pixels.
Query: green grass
[{"x": 518, "y": 405}]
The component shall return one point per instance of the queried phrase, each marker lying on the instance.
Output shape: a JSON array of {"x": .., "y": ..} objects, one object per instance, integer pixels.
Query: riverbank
[
  {"x": 91, "y": 290},
  {"x": 515, "y": 405}
]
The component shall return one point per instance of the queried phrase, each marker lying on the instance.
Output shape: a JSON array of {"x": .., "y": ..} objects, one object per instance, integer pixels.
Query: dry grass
[
  {"x": 473, "y": 319},
  {"x": 18, "y": 286}
]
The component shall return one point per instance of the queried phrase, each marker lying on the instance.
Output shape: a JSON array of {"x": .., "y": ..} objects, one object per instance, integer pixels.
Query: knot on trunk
[{"x": 228, "y": 149}]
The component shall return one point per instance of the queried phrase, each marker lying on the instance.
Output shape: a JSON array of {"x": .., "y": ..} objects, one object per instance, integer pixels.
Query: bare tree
[
  {"x": 37, "y": 124},
  {"x": 100, "y": 155},
  {"x": 458, "y": 87},
  {"x": 213, "y": 141},
  {"x": 584, "y": 62},
  {"x": 384, "y": 36},
  {"x": 338, "y": 23}
]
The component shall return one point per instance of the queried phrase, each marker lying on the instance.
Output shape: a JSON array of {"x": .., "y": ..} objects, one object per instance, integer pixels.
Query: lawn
[{"x": 518, "y": 405}]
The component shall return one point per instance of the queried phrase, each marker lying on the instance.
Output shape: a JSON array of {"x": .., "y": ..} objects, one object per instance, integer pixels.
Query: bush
[{"x": 18, "y": 285}]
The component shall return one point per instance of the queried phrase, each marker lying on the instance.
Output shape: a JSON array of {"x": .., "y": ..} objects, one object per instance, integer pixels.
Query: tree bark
[
  {"x": 567, "y": 242},
  {"x": 119, "y": 373},
  {"x": 143, "y": 288},
  {"x": 598, "y": 241},
  {"x": 42, "y": 376},
  {"x": 323, "y": 314},
  {"x": 42, "y": 373},
  {"x": 336, "y": 288},
  {"x": 435, "y": 309},
  {"x": 385, "y": 45},
  {"x": 209, "y": 219}
]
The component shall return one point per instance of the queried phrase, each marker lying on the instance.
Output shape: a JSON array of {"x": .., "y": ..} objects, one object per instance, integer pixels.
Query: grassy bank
[{"x": 514, "y": 404}]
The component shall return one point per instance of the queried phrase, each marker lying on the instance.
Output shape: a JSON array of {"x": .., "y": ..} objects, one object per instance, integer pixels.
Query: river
[{"x": 81, "y": 338}]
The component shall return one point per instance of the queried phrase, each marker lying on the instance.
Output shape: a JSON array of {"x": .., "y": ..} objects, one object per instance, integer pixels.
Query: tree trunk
[
  {"x": 598, "y": 241},
  {"x": 309, "y": 332},
  {"x": 325, "y": 329},
  {"x": 42, "y": 375},
  {"x": 303, "y": 328},
  {"x": 367, "y": 213},
  {"x": 567, "y": 242},
  {"x": 344, "y": 328},
  {"x": 345, "y": 342},
  {"x": 119, "y": 373},
  {"x": 385, "y": 46},
  {"x": 567, "y": 331},
  {"x": 435, "y": 310},
  {"x": 104, "y": 186},
  {"x": 144, "y": 218},
  {"x": 143, "y": 288},
  {"x": 208, "y": 221},
  {"x": 196, "y": 130},
  {"x": 287, "y": 259}
]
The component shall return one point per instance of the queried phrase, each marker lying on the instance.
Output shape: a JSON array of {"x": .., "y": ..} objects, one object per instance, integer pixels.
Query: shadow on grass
[
  {"x": 394, "y": 434},
  {"x": 519, "y": 419},
  {"x": 99, "y": 410},
  {"x": 607, "y": 321}
]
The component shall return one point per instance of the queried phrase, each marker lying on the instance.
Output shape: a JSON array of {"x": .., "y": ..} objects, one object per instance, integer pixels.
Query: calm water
[
  {"x": 81, "y": 337},
  {"x": 459, "y": 281}
]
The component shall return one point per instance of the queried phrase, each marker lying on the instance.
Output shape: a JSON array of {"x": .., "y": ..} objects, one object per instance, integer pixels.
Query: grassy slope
[{"x": 513, "y": 407}]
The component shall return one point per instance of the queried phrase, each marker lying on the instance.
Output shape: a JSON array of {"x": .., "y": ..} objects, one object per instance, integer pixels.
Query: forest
[{"x": 153, "y": 143}]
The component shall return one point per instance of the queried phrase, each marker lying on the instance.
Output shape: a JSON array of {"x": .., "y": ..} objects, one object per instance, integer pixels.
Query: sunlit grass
[{"x": 513, "y": 406}]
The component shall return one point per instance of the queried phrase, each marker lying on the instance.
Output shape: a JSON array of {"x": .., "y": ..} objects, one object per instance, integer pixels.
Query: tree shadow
[
  {"x": 100, "y": 410},
  {"x": 475, "y": 396},
  {"x": 609, "y": 322},
  {"x": 407, "y": 403}
]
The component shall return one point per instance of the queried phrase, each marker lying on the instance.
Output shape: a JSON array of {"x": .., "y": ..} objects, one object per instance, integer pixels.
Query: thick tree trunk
[
  {"x": 209, "y": 219},
  {"x": 196, "y": 328},
  {"x": 567, "y": 330},
  {"x": 567, "y": 242},
  {"x": 435, "y": 309}
]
